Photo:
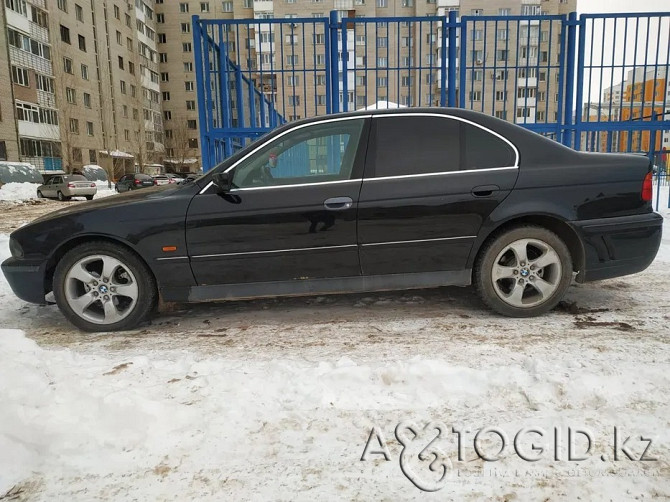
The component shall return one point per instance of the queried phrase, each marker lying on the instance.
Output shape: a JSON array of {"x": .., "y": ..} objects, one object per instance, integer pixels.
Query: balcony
[{"x": 527, "y": 82}]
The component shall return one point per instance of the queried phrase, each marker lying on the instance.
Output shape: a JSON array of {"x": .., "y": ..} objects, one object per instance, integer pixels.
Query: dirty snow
[{"x": 275, "y": 399}]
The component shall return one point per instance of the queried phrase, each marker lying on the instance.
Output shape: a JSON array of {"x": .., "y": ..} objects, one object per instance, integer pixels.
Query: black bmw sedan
[{"x": 363, "y": 201}]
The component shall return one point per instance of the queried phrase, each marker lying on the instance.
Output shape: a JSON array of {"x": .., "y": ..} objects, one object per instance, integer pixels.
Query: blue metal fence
[{"x": 596, "y": 82}]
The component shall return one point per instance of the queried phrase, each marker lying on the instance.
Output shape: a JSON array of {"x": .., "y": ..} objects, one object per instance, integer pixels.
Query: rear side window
[
  {"x": 412, "y": 145},
  {"x": 483, "y": 150},
  {"x": 416, "y": 145}
]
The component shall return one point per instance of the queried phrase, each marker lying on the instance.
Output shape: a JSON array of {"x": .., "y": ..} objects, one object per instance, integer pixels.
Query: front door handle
[
  {"x": 338, "y": 203},
  {"x": 484, "y": 190}
]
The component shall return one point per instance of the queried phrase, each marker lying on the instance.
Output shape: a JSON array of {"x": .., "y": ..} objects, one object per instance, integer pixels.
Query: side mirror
[{"x": 223, "y": 181}]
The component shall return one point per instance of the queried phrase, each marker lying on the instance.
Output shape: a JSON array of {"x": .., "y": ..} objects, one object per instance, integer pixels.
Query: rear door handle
[
  {"x": 338, "y": 203},
  {"x": 484, "y": 190}
]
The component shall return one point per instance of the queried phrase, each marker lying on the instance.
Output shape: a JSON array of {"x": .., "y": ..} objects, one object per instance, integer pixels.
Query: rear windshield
[
  {"x": 76, "y": 177},
  {"x": 143, "y": 177}
]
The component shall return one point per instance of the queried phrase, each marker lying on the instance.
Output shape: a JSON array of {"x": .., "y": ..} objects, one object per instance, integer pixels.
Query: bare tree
[{"x": 177, "y": 141}]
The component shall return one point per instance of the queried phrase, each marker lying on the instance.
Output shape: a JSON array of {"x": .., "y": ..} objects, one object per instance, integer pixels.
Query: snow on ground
[{"x": 275, "y": 399}]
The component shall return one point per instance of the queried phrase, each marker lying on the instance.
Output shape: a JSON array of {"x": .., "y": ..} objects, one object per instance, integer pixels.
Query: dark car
[
  {"x": 365, "y": 201},
  {"x": 133, "y": 182}
]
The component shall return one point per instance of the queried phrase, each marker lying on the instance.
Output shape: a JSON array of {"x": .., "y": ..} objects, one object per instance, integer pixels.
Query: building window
[
  {"x": 39, "y": 17},
  {"x": 475, "y": 95},
  {"x": 504, "y": 12},
  {"x": 131, "y": 67},
  {"x": 382, "y": 3},
  {"x": 87, "y": 100},
  {"x": 118, "y": 37},
  {"x": 160, "y": 18},
  {"x": 291, "y": 60},
  {"x": 62, "y": 5},
  {"x": 74, "y": 126},
  {"x": 227, "y": 6},
  {"x": 501, "y": 95},
  {"x": 192, "y": 124},
  {"x": 89, "y": 128},
  {"x": 188, "y": 66},
  {"x": 117, "y": 12},
  {"x": 523, "y": 112},
  {"x": 185, "y": 28},
  {"x": 167, "y": 115},
  {"x": 501, "y": 55},
  {"x": 71, "y": 95},
  {"x": 502, "y": 34},
  {"x": 293, "y": 80},
  {"x": 20, "y": 76},
  {"x": 44, "y": 83},
  {"x": 82, "y": 43},
  {"x": 382, "y": 62},
  {"x": 193, "y": 142},
  {"x": 67, "y": 66},
  {"x": 84, "y": 72},
  {"x": 120, "y": 62},
  {"x": 382, "y": 42},
  {"x": 189, "y": 86},
  {"x": 123, "y": 87},
  {"x": 183, "y": 8},
  {"x": 166, "y": 96},
  {"x": 17, "y": 6},
  {"x": 186, "y": 47},
  {"x": 190, "y": 104},
  {"x": 65, "y": 34},
  {"x": 477, "y": 12},
  {"x": 204, "y": 6},
  {"x": 407, "y": 3},
  {"x": 531, "y": 10},
  {"x": 501, "y": 114},
  {"x": 162, "y": 57}
]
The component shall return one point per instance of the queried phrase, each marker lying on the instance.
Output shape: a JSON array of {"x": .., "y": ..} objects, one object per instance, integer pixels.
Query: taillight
[
  {"x": 71, "y": 185},
  {"x": 137, "y": 182},
  {"x": 647, "y": 187},
  {"x": 155, "y": 182},
  {"x": 171, "y": 180},
  {"x": 92, "y": 185}
]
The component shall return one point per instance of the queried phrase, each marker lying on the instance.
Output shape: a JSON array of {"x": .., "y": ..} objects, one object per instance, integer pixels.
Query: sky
[{"x": 616, "y": 50}]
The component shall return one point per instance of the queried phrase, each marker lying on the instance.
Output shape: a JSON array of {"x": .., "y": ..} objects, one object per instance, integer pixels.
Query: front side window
[{"x": 313, "y": 154}]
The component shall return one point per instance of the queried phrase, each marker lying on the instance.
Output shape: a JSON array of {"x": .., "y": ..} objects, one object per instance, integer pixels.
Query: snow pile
[{"x": 18, "y": 191}]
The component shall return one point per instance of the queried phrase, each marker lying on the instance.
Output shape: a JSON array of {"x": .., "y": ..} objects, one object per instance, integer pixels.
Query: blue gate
[{"x": 598, "y": 82}]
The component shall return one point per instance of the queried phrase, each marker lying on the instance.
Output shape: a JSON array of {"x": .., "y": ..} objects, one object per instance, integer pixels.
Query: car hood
[{"x": 120, "y": 200}]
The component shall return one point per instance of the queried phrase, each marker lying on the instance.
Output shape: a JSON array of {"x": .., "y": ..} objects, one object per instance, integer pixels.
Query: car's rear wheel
[
  {"x": 39, "y": 195},
  {"x": 523, "y": 272},
  {"x": 101, "y": 286},
  {"x": 89, "y": 197},
  {"x": 61, "y": 196}
]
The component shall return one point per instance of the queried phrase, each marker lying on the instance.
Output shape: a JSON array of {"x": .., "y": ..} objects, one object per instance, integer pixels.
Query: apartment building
[
  {"x": 9, "y": 141},
  {"x": 30, "y": 65},
  {"x": 85, "y": 84}
]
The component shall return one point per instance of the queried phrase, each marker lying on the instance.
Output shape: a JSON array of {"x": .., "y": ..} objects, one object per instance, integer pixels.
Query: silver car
[{"x": 64, "y": 187}]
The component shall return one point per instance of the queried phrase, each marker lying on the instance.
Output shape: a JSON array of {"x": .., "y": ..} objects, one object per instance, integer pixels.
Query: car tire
[
  {"x": 39, "y": 195},
  {"x": 62, "y": 197},
  {"x": 523, "y": 272},
  {"x": 96, "y": 303},
  {"x": 89, "y": 197}
]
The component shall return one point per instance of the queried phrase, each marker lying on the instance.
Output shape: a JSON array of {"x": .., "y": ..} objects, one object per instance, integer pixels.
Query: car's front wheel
[
  {"x": 523, "y": 272},
  {"x": 101, "y": 286}
]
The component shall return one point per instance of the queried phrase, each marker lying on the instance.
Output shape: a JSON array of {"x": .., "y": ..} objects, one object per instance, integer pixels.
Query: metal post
[
  {"x": 580, "y": 85},
  {"x": 450, "y": 61},
  {"x": 205, "y": 146},
  {"x": 335, "y": 88},
  {"x": 569, "y": 73}
]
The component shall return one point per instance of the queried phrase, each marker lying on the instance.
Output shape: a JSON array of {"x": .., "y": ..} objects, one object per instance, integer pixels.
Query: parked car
[
  {"x": 373, "y": 200},
  {"x": 161, "y": 179},
  {"x": 133, "y": 182},
  {"x": 165, "y": 179},
  {"x": 174, "y": 177},
  {"x": 66, "y": 186}
]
